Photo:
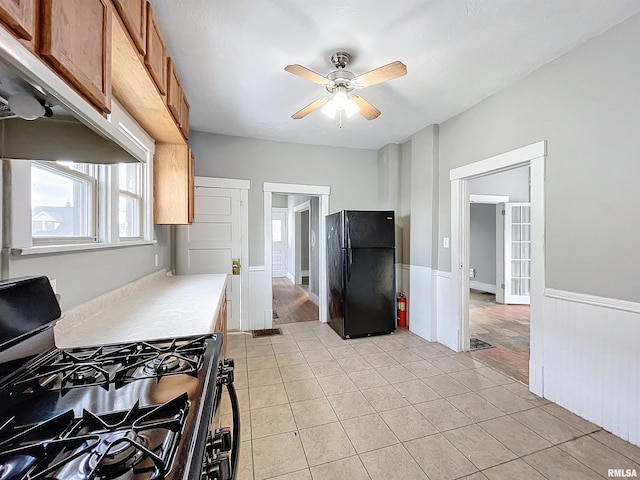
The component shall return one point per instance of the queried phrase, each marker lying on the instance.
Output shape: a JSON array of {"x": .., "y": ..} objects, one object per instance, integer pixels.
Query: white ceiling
[{"x": 230, "y": 56}]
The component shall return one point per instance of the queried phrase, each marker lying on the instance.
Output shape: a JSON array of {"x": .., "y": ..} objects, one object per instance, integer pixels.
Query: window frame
[{"x": 93, "y": 178}]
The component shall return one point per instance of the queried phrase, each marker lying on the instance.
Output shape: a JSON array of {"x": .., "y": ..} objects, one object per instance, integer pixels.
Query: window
[
  {"x": 63, "y": 202},
  {"x": 130, "y": 200}
]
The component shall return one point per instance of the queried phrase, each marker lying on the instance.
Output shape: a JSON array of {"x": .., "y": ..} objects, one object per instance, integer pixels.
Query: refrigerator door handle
[{"x": 349, "y": 252}]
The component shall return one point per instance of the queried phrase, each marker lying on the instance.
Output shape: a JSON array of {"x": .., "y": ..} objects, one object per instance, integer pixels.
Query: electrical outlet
[{"x": 472, "y": 273}]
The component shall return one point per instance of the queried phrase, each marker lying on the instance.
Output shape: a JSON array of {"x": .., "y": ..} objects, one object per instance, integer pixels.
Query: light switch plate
[{"x": 445, "y": 242}]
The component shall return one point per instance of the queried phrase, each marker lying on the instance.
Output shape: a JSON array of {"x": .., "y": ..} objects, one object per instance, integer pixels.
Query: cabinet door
[
  {"x": 174, "y": 92},
  {"x": 172, "y": 184},
  {"x": 19, "y": 16},
  {"x": 80, "y": 53},
  {"x": 184, "y": 117},
  {"x": 134, "y": 16},
  {"x": 156, "y": 56},
  {"x": 191, "y": 189}
]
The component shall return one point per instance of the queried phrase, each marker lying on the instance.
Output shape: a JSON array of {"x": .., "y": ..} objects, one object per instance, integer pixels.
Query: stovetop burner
[
  {"x": 135, "y": 444},
  {"x": 114, "y": 364}
]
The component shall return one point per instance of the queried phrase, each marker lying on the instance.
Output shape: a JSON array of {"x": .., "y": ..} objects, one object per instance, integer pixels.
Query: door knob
[{"x": 235, "y": 266}]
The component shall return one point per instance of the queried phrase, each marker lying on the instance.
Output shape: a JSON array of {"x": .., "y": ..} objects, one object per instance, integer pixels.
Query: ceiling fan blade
[
  {"x": 367, "y": 110},
  {"x": 381, "y": 74},
  {"x": 310, "y": 108},
  {"x": 307, "y": 74}
]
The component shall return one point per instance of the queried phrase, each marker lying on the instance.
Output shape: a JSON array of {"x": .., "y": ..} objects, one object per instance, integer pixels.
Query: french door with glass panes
[{"x": 517, "y": 252}]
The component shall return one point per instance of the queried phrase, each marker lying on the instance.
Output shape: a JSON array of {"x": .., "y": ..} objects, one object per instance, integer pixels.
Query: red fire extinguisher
[{"x": 402, "y": 310}]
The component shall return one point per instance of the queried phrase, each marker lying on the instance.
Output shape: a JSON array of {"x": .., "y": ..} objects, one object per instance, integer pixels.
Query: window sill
[{"x": 46, "y": 249}]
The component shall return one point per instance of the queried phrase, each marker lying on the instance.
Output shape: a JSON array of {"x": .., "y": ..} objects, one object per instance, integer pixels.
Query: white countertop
[{"x": 162, "y": 307}]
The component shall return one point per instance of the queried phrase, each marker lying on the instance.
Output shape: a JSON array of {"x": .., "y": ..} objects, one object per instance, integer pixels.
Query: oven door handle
[{"x": 235, "y": 449}]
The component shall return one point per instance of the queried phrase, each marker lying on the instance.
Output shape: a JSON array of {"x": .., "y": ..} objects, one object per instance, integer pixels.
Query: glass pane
[
  {"x": 129, "y": 216},
  {"x": 276, "y": 230},
  {"x": 128, "y": 175},
  {"x": 526, "y": 232},
  {"x": 526, "y": 269},
  {"x": 515, "y": 250},
  {"x": 515, "y": 268},
  {"x": 61, "y": 206},
  {"x": 526, "y": 287},
  {"x": 515, "y": 215},
  {"x": 516, "y": 286},
  {"x": 515, "y": 233},
  {"x": 526, "y": 214},
  {"x": 526, "y": 250}
]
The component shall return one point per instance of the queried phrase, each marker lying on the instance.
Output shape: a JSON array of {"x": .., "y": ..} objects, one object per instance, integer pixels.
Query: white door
[
  {"x": 279, "y": 237},
  {"x": 212, "y": 242},
  {"x": 517, "y": 253}
]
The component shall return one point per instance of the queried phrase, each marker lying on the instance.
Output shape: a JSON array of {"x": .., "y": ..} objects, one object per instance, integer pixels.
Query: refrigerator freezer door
[
  {"x": 370, "y": 296},
  {"x": 369, "y": 229}
]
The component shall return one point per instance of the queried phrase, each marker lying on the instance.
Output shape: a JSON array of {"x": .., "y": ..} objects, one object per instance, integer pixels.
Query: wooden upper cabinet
[
  {"x": 76, "y": 41},
  {"x": 156, "y": 56},
  {"x": 134, "y": 16},
  {"x": 184, "y": 117},
  {"x": 174, "y": 92},
  {"x": 173, "y": 184},
  {"x": 20, "y": 17}
]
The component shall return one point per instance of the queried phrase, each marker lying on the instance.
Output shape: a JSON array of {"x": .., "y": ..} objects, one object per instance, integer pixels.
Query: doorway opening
[
  {"x": 499, "y": 285},
  {"x": 300, "y": 293},
  {"x": 294, "y": 258},
  {"x": 456, "y": 330}
]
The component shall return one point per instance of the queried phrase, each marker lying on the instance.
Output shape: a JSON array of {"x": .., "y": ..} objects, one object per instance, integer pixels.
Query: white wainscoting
[
  {"x": 592, "y": 359},
  {"x": 259, "y": 313},
  {"x": 420, "y": 294},
  {"x": 446, "y": 323}
]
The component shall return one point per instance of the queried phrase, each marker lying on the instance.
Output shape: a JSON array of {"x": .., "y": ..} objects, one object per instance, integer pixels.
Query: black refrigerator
[{"x": 361, "y": 259}]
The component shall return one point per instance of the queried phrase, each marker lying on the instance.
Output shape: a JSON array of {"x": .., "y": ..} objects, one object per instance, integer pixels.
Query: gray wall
[
  {"x": 279, "y": 201},
  {"x": 83, "y": 275},
  {"x": 513, "y": 183},
  {"x": 482, "y": 242},
  {"x": 351, "y": 173},
  {"x": 403, "y": 218},
  {"x": 586, "y": 105},
  {"x": 304, "y": 240},
  {"x": 424, "y": 196}
]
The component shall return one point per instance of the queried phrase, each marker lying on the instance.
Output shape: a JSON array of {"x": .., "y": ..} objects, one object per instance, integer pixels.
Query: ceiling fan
[{"x": 340, "y": 84}]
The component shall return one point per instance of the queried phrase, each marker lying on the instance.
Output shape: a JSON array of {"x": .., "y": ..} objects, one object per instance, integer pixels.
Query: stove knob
[
  {"x": 221, "y": 441},
  {"x": 218, "y": 468}
]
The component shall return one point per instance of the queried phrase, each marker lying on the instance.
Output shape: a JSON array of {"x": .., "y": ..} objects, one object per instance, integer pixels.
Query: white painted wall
[{"x": 351, "y": 173}]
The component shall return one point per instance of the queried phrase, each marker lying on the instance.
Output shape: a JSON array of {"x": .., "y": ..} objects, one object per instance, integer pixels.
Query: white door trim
[
  {"x": 243, "y": 186},
  {"x": 323, "y": 193},
  {"x": 297, "y": 210},
  {"x": 533, "y": 155}
]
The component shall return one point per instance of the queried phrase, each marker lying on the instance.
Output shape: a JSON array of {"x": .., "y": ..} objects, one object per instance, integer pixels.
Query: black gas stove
[{"x": 140, "y": 410}]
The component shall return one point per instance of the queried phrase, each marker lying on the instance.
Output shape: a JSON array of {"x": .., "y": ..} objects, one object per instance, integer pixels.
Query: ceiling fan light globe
[
  {"x": 330, "y": 109},
  {"x": 340, "y": 99},
  {"x": 351, "y": 108}
]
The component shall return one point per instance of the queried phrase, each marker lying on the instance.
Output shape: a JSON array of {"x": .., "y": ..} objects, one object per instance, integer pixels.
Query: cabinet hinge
[
  {"x": 503, "y": 212},
  {"x": 502, "y": 286}
]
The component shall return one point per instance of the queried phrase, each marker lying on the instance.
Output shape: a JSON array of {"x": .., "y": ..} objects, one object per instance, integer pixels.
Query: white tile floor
[{"x": 317, "y": 407}]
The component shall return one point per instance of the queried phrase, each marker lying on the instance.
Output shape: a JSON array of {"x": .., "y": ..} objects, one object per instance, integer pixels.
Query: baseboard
[
  {"x": 314, "y": 298},
  {"x": 483, "y": 287}
]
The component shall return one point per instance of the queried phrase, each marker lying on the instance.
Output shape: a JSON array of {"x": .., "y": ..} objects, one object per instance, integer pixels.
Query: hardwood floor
[
  {"x": 291, "y": 303},
  {"x": 507, "y": 328}
]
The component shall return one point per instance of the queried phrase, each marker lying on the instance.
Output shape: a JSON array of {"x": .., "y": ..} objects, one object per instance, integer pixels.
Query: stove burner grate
[{"x": 139, "y": 443}]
